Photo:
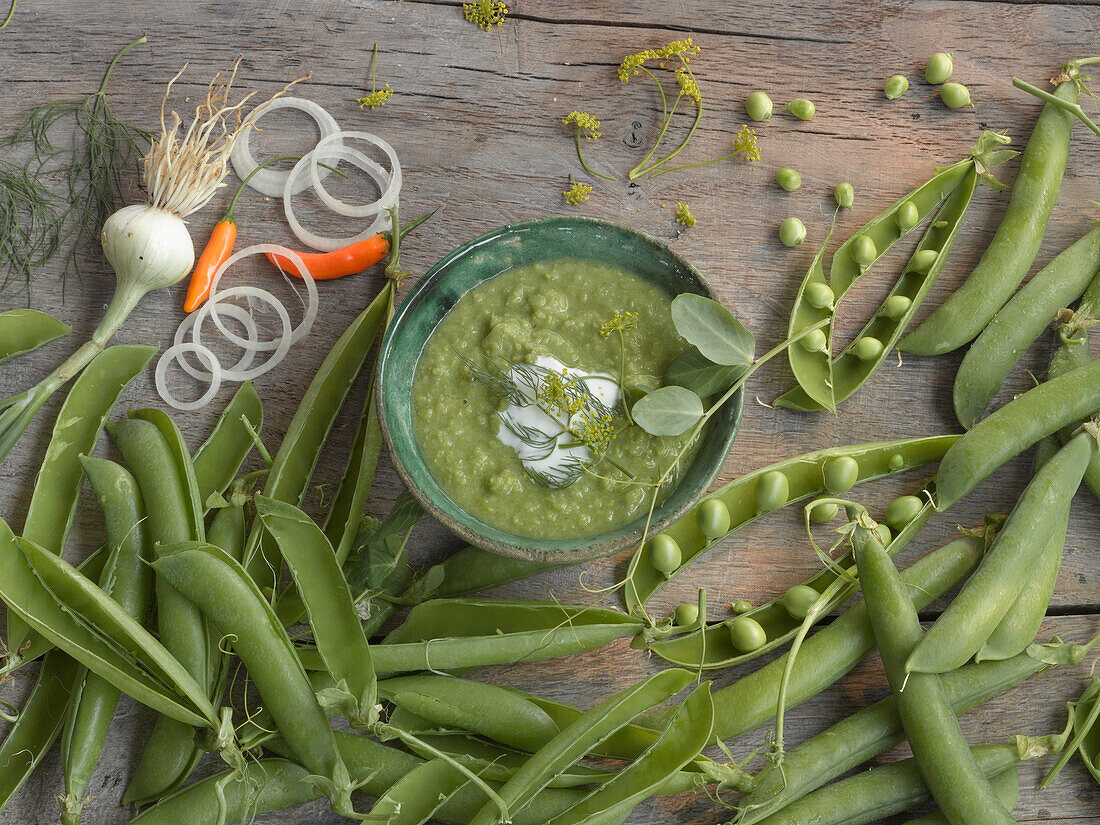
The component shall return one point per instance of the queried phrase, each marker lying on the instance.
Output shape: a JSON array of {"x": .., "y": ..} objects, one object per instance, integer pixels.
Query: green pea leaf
[
  {"x": 692, "y": 371},
  {"x": 712, "y": 329},
  {"x": 668, "y": 411}
]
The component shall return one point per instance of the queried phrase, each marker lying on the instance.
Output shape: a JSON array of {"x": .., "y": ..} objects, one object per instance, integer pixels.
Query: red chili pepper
[
  {"x": 219, "y": 247},
  {"x": 347, "y": 260}
]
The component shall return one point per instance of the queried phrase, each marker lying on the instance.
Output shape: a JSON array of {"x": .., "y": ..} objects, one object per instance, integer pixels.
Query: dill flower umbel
[
  {"x": 577, "y": 193},
  {"x": 744, "y": 144},
  {"x": 586, "y": 125},
  {"x": 622, "y": 321},
  {"x": 683, "y": 215},
  {"x": 485, "y": 13}
]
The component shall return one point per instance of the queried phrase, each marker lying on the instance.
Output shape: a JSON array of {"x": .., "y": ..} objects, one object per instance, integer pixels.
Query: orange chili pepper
[
  {"x": 347, "y": 260},
  {"x": 219, "y": 247}
]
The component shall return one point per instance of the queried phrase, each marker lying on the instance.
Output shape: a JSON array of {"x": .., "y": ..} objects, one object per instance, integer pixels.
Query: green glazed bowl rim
[{"x": 401, "y": 443}]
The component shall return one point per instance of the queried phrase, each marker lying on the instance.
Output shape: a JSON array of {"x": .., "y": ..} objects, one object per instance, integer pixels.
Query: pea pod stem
[{"x": 1065, "y": 105}]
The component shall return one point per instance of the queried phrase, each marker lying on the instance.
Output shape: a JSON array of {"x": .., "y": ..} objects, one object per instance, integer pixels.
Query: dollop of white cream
[{"x": 550, "y": 425}]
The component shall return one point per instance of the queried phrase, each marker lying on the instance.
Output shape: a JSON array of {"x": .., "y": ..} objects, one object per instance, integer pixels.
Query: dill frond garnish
[
  {"x": 577, "y": 193},
  {"x": 588, "y": 126},
  {"x": 485, "y": 13},
  {"x": 683, "y": 215},
  {"x": 103, "y": 149},
  {"x": 377, "y": 97},
  {"x": 28, "y": 224}
]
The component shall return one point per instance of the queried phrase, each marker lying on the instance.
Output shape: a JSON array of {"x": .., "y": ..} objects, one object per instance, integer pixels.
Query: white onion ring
[
  {"x": 327, "y": 244},
  {"x": 386, "y": 197},
  {"x": 273, "y": 182},
  {"x": 176, "y": 351},
  {"x": 280, "y": 345},
  {"x": 308, "y": 316},
  {"x": 235, "y": 312}
]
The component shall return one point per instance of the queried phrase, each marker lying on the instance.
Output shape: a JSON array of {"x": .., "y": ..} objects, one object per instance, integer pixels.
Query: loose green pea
[
  {"x": 759, "y": 106},
  {"x": 798, "y": 600},
  {"x": 819, "y": 295},
  {"x": 844, "y": 195},
  {"x": 922, "y": 261},
  {"x": 896, "y": 306},
  {"x": 841, "y": 474},
  {"x": 788, "y": 178},
  {"x": 772, "y": 491},
  {"x": 664, "y": 554},
  {"x": 939, "y": 67},
  {"x": 747, "y": 635},
  {"x": 901, "y": 511},
  {"x": 955, "y": 95},
  {"x": 685, "y": 615},
  {"x": 884, "y": 534},
  {"x": 867, "y": 348},
  {"x": 823, "y": 512},
  {"x": 896, "y": 86},
  {"x": 801, "y": 108},
  {"x": 713, "y": 518},
  {"x": 741, "y": 606},
  {"x": 897, "y": 461},
  {"x": 813, "y": 341},
  {"x": 864, "y": 251},
  {"x": 907, "y": 216},
  {"x": 792, "y": 232}
]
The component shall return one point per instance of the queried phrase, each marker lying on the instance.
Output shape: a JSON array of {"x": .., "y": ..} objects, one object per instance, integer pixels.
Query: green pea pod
[
  {"x": 869, "y": 732},
  {"x": 224, "y": 592},
  {"x": 75, "y": 433},
  {"x": 834, "y": 650},
  {"x": 127, "y": 579},
  {"x": 292, "y": 468},
  {"x": 221, "y": 455},
  {"x": 155, "y": 453},
  {"x": 416, "y": 796},
  {"x": 1086, "y": 732},
  {"x": 1009, "y": 256},
  {"x": 712, "y": 646},
  {"x": 687, "y": 734},
  {"x": 1019, "y": 322},
  {"x": 993, "y": 441},
  {"x": 581, "y": 737},
  {"x": 46, "y": 593},
  {"x": 971, "y": 618},
  {"x": 472, "y": 570},
  {"x": 851, "y": 368},
  {"x": 275, "y": 784},
  {"x": 810, "y": 368},
  {"x": 326, "y": 597},
  {"x": 497, "y": 713},
  {"x": 805, "y": 476},
  {"x": 954, "y": 777},
  {"x": 43, "y": 714},
  {"x": 1020, "y": 624},
  {"x": 25, "y": 330},
  {"x": 1005, "y": 785}
]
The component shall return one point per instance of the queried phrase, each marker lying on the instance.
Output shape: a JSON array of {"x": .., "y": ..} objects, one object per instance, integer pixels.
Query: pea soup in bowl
[{"x": 506, "y": 380}]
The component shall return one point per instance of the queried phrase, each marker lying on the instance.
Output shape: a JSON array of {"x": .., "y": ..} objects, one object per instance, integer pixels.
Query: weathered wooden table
[{"x": 476, "y": 118}]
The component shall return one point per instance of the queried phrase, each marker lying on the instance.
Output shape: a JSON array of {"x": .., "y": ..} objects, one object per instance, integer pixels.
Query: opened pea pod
[{"x": 835, "y": 470}]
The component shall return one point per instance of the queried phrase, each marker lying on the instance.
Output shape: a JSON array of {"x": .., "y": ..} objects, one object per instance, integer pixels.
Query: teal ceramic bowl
[{"x": 482, "y": 258}]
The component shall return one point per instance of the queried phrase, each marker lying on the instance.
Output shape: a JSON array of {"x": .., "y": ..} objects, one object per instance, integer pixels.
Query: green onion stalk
[{"x": 147, "y": 244}]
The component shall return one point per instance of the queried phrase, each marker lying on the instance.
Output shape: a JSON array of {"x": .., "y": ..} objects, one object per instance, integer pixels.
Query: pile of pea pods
[{"x": 263, "y": 655}]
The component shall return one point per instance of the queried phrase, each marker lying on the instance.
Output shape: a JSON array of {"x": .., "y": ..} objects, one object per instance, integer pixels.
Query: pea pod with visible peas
[
  {"x": 229, "y": 443},
  {"x": 834, "y": 379},
  {"x": 974, "y": 614},
  {"x": 766, "y": 627},
  {"x": 25, "y": 330},
  {"x": 953, "y": 776},
  {"x": 127, "y": 579},
  {"x": 1019, "y": 322},
  {"x": 1010, "y": 254},
  {"x": 736, "y": 504}
]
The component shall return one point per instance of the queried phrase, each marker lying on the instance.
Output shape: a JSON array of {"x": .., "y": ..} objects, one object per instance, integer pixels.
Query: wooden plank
[{"x": 476, "y": 120}]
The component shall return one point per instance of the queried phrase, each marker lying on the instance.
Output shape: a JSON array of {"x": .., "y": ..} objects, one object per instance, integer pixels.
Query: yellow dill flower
[
  {"x": 744, "y": 144},
  {"x": 585, "y": 123},
  {"x": 578, "y": 193},
  {"x": 622, "y": 321},
  {"x": 632, "y": 62},
  {"x": 594, "y": 431},
  {"x": 376, "y": 98},
  {"x": 485, "y": 13},
  {"x": 683, "y": 215},
  {"x": 553, "y": 393},
  {"x": 683, "y": 49},
  {"x": 688, "y": 86}
]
